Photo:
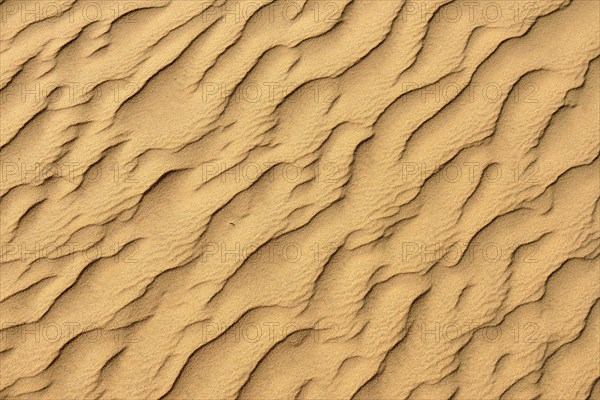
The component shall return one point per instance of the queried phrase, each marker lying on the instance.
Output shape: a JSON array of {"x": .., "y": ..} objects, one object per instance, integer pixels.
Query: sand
[{"x": 300, "y": 199}]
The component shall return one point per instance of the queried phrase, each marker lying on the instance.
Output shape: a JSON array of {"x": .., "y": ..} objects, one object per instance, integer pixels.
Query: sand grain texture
[{"x": 311, "y": 199}]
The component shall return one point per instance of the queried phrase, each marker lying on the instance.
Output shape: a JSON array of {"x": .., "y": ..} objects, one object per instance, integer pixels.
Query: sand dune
[{"x": 311, "y": 199}]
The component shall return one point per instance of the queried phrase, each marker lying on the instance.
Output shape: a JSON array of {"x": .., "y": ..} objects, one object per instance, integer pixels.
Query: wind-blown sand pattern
[{"x": 311, "y": 199}]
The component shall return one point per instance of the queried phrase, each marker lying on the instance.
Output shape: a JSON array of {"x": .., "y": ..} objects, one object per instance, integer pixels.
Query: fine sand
[{"x": 300, "y": 199}]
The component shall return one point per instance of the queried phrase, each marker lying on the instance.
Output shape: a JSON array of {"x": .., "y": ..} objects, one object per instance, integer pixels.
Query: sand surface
[{"x": 300, "y": 199}]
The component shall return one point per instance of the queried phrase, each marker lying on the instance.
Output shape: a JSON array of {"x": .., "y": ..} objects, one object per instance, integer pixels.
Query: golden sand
[{"x": 300, "y": 199}]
